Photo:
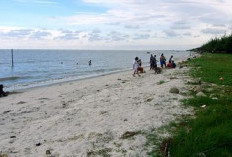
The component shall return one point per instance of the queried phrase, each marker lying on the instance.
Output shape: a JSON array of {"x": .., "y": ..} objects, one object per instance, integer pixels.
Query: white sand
[{"x": 88, "y": 117}]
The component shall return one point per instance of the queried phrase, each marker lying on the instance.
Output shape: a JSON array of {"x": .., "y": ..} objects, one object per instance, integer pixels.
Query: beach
[{"x": 92, "y": 117}]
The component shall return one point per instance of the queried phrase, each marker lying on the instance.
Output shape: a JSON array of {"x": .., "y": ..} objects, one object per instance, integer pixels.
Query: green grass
[
  {"x": 211, "y": 67},
  {"x": 210, "y": 133},
  {"x": 160, "y": 82}
]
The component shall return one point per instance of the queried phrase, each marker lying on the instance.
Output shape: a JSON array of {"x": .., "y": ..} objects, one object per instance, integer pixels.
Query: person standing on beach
[
  {"x": 136, "y": 66},
  {"x": 90, "y": 62},
  {"x": 155, "y": 61},
  {"x": 162, "y": 60},
  {"x": 151, "y": 62}
]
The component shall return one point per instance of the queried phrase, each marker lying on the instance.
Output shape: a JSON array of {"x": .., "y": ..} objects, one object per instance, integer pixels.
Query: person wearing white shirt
[{"x": 135, "y": 66}]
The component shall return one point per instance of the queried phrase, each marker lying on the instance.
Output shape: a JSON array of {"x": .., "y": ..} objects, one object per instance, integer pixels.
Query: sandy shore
[{"x": 89, "y": 117}]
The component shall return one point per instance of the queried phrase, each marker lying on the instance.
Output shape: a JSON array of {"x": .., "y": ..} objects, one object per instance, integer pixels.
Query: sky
[{"x": 112, "y": 24}]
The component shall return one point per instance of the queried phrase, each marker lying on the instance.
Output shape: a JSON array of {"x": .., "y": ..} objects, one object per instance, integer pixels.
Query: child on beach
[
  {"x": 136, "y": 66},
  {"x": 140, "y": 68}
]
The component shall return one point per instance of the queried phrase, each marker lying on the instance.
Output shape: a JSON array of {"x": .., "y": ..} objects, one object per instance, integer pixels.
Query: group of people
[
  {"x": 137, "y": 64},
  {"x": 153, "y": 62}
]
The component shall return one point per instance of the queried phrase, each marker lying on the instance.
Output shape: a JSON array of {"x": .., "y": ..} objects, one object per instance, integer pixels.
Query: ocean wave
[{"x": 11, "y": 78}]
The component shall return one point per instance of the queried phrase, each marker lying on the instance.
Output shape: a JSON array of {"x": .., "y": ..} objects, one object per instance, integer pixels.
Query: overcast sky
[{"x": 112, "y": 24}]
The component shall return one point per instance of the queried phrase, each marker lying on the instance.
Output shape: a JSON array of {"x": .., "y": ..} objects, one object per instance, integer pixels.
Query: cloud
[
  {"x": 196, "y": 36},
  {"x": 230, "y": 28},
  {"x": 69, "y": 35},
  {"x": 96, "y": 31},
  {"x": 170, "y": 33},
  {"x": 132, "y": 26},
  {"x": 187, "y": 34},
  {"x": 180, "y": 27},
  {"x": 16, "y": 33},
  {"x": 117, "y": 36},
  {"x": 213, "y": 31},
  {"x": 137, "y": 14},
  {"x": 215, "y": 19},
  {"x": 141, "y": 36},
  {"x": 119, "y": 12},
  {"x": 219, "y": 25},
  {"x": 40, "y": 34},
  {"x": 86, "y": 19},
  {"x": 25, "y": 34},
  {"x": 114, "y": 23},
  {"x": 120, "y": 20},
  {"x": 95, "y": 35}
]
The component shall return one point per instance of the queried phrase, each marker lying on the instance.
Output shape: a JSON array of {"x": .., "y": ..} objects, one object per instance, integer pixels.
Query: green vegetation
[
  {"x": 102, "y": 152},
  {"x": 211, "y": 67},
  {"x": 161, "y": 82},
  {"x": 217, "y": 45},
  {"x": 210, "y": 132}
]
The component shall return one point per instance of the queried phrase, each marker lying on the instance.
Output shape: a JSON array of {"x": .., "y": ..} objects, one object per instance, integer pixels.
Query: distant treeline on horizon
[{"x": 217, "y": 45}]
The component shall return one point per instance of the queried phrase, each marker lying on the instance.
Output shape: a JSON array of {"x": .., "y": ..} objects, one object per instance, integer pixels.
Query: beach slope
[{"x": 93, "y": 117}]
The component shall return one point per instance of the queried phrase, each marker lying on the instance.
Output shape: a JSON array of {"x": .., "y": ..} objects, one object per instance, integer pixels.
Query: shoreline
[
  {"x": 65, "y": 82},
  {"x": 41, "y": 85},
  {"x": 90, "y": 116}
]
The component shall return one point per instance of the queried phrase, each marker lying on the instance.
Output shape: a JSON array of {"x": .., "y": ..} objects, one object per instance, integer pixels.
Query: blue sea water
[{"x": 34, "y": 68}]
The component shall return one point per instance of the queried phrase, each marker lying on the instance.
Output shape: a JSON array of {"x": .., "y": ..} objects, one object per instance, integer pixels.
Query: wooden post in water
[{"x": 12, "y": 58}]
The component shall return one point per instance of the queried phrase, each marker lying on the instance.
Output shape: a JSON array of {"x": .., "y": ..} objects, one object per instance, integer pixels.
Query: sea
[{"x": 35, "y": 68}]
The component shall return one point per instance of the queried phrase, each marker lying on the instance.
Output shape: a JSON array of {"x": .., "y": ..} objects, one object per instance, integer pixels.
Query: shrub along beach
[{"x": 217, "y": 45}]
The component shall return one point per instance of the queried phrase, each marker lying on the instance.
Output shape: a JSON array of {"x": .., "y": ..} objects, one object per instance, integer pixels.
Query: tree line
[{"x": 217, "y": 45}]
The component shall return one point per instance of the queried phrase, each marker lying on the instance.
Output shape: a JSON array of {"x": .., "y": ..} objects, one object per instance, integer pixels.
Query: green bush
[{"x": 217, "y": 45}]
